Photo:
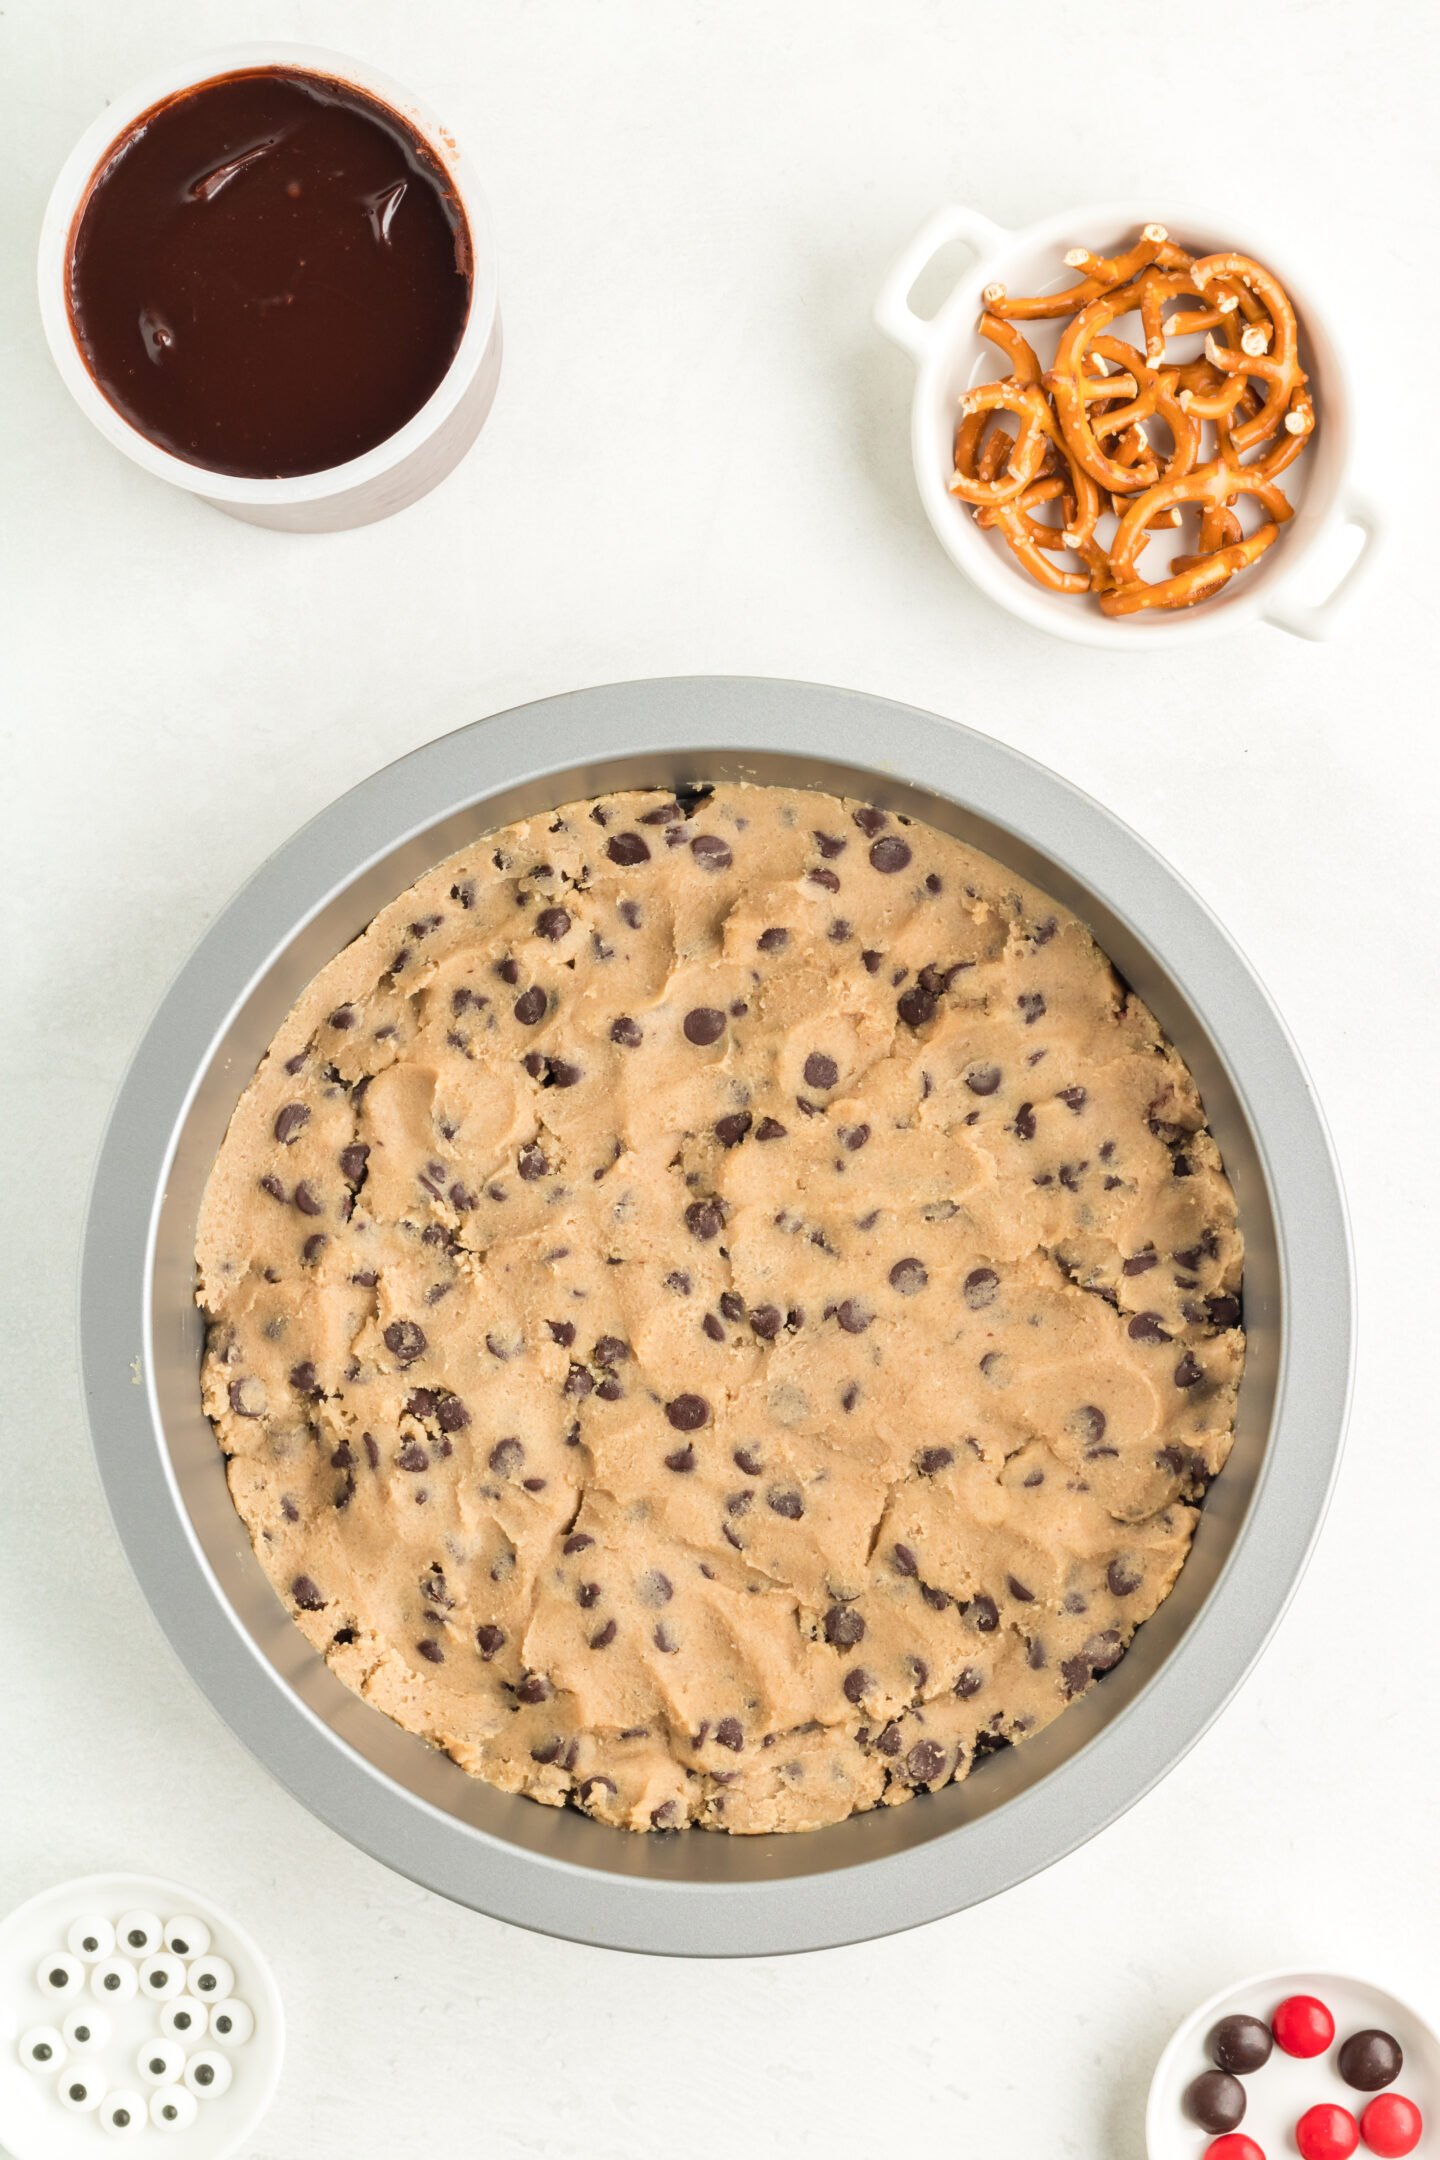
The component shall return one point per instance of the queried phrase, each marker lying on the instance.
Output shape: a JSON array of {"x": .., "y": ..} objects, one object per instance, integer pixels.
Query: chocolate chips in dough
[{"x": 721, "y": 1310}]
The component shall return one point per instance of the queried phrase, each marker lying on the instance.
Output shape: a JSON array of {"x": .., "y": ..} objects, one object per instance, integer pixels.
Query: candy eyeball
[
  {"x": 113, "y": 1980},
  {"x": 185, "y": 2019},
  {"x": 61, "y": 1976},
  {"x": 124, "y": 2115},
  {"x": 162, "y": 1976},
  {"x": 187, "y": 1937},
  {"x": 208, "y": 2074},
  {"x": 80, "y": 2090},
  {"x": 138, "y": 1934},
  {"x": 232, "y": 2023},
  {"x": 86, "y": 2029},
  {"x": 42, "y": 2049},
  {"x": 160, "y": 2062},
  {"x": 211, "y": 1978},
  {"x": 172, "y": 2108},
  {"x": 91, "y": 1938}
]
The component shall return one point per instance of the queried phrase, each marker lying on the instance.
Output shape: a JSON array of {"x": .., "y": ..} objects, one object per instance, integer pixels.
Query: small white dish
[
  {"x": 951, "y": 357},
  {"x": 1278, "y": 2094},
  {"x": 398, "y": 471},
  {"x": 33, "y": 2123}
]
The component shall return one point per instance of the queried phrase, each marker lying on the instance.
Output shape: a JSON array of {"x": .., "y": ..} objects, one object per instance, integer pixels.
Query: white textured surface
[{"x": 698, "y": 461}]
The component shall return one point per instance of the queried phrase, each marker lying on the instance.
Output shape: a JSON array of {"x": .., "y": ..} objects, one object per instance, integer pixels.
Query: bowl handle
[
  {"x": 1317, "y": 619},
  {"x": 893, "y": 312}
]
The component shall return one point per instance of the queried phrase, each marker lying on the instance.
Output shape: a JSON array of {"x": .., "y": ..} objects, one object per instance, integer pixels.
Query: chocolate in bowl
[{"x": 269, "y": 274}]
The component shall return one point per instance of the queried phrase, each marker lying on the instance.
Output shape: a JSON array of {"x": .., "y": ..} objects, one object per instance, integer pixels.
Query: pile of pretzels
[{"x": 1081, "y": 439}]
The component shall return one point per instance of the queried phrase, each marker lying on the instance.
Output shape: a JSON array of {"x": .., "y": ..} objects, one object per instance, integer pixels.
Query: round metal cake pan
[{"x": 699, "y": 1893}]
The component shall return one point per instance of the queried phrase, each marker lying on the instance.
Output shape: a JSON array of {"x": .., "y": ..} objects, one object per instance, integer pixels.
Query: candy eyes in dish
[
  {"x": 124, "y": 2115},
  {"x": 231, "y": 2023},
  {"x": 162, "y": 1976},
  {"x": 211, "y": 1978},
  {"x": 80, "y": 2091},
  {"x": 187, "y": 1937},
  {"x": 172, "y": 2108},
  {"x": 184, "y": 2019},
  {"x": 42, "y": 2049},
  {"x": 91, "y": 1938},
  {"x": 60, "y": 1976},
  {"x": 113, "y": 1979},
  {"x": 208, "y": 2074},
  {"x": 160, "y": 2062},
  {"x": 86, "y": 2029},
  {"x": 139, "y": 1934}
]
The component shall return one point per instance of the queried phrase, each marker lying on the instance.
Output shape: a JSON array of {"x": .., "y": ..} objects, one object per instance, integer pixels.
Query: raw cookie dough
[{"x": 721, "y": 1309}]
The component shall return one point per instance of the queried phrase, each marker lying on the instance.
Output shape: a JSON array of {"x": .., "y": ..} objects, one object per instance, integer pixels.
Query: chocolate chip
[
  {"x": 533, "y": 1688},
  {"x": 1122, "y": 1578},
  {"x": 968, "y": 1682},
  {"x": 308, "y": 1200},
  {"x": 431, "y": 1651},
  {"x": 532, "y": 1162},
  {"x": 785, "y": 1500},
  {"x": 925, "y": 1761},
  {"x": 766, "y": 1321},
  {"x": 1215, "y": 2100},
  {"x": 981, "y": 1287},
  {"x": 825, "y": 879},
  {"x": 728, "y": 1734},
  {"x": 1243, "y": 2044},
  {"x": 1025, "y": 1122},
  {"x": 904, "y": 1560},
  {"x": 916, "y": 1006},
  {"x": 353, "y": 1160},
  {"x": 935, "y": 1459},
  {"x": 1145, "y": 1327},
  {"x": 290, "y": 1121},
  {"x": 821, "y": 1071},
  {"x": 530, "y": 1006},
  {"x": 985, "y": 1613},
  {"x": 703, "y": 1025},
  {"x": 1032, "y": 1005},
  {"x": 506, "y": 1457},
  {"x": 775, "y": 939},
  {"x": 890, "y": 854},
  {"x": 687, "y": 1413},
  {"x": 731, "y": 1129},
  {"x": 490, "y": 1639},
  {"x": 305, "y": 1594},
  {"x": 1223, "y": 1312},
  {"x": 603, "y": 1637},
  {"x": 856, "y": 1684},
  {"x": 552, "y": 923},
  {"x": 305, "y": 1380},
  {"x": 909, "y": 1277},
  {"x": 869, "y": 819},
  {"x": 1139, "y": 1262},
  {"x": 705, "y": 1219},
  {"x": 844, "y": 1627},
  {"x": 627, "y": 849},
  {"x": 560, "y": 1074},
  {"x": 855, "y": 1137},
  {"x": 710, "y": 852},
  {"x": 1188, "y": 1373},
  {"x": 1020, "y": 1591},
  {"x": 889, "y": 1741},
  {"x": 982, "y": 1079},
  {"x": 247, "y": 1397},
  {"x": 610, "y": 1350},
  {"x": 625, "y": 1031},
  {"x": 682, "y": 1459},
  {"x": 405, "y": 1340},
  {"x": 853, "y": 1316},
  {"x": 770, "y": 1128},
  {"x": 713, "y": 1327},
  {"x": 412, "y": 1457}
]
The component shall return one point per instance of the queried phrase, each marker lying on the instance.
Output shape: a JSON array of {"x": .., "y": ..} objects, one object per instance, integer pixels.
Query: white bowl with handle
[{"x": 951, "y": 357}]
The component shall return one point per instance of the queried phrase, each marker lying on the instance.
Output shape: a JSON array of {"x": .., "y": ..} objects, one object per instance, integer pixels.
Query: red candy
[
  {"x": 1234, "y": 2146},
  {"x": 1391, "y": 2126},
  {"x": 1326, "y": 2132},
  {"x": 1303, "y": 2026}
]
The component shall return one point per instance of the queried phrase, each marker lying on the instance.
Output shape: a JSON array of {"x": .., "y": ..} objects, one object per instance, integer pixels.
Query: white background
[{"x": 698, "y": 462}]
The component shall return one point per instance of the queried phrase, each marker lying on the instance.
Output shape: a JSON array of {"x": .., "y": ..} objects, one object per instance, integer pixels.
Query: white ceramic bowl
[
  {"x": 1278, "y": 2095},
  {"x": 397, "y": 471},
  {"x": 34, "y": 2124},
  {"x": 950, "y": 357}
]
